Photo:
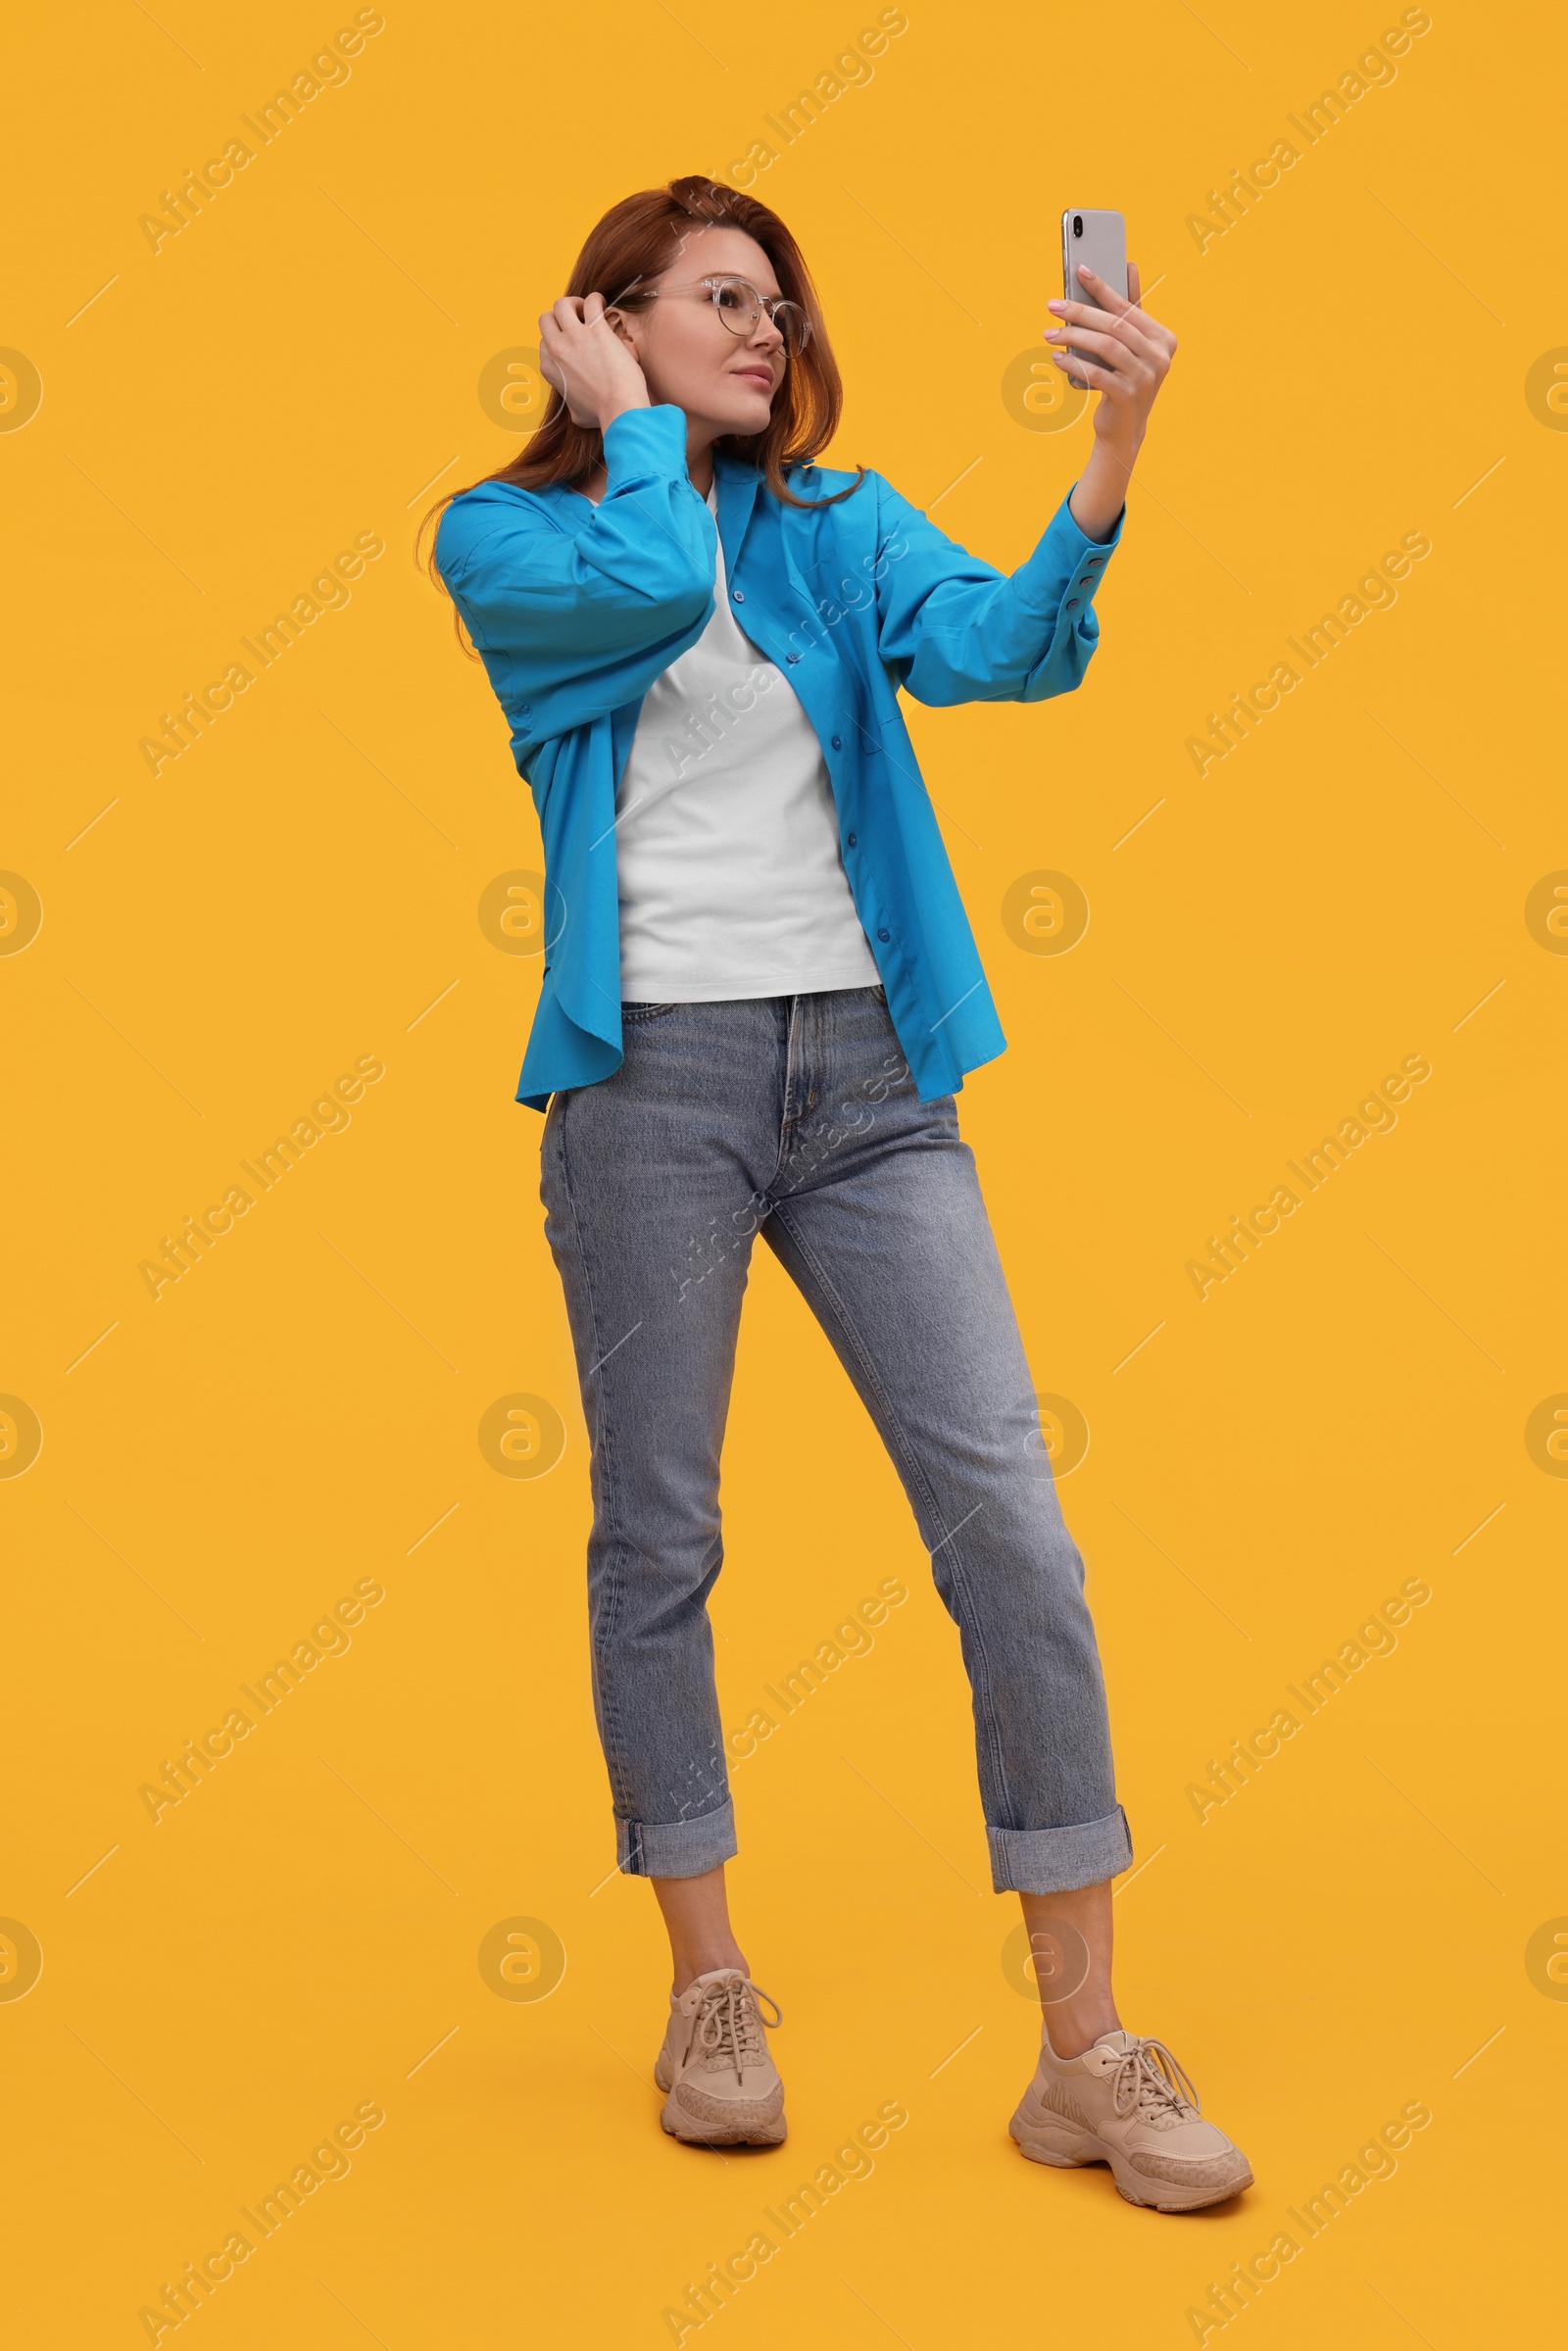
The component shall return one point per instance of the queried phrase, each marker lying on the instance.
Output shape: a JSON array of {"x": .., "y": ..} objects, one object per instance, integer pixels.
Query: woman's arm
[
  {"x": 955, "y": 629},
  {"x": 598, "y": 607},
  {"x": 952, "y": 629}
]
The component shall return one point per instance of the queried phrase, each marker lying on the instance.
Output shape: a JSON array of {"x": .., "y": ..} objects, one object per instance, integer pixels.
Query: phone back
[{"x": 1099, "y": 240}]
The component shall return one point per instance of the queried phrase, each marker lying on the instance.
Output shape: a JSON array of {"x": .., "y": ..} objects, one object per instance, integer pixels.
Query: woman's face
[{"x": 687, "y": 352}]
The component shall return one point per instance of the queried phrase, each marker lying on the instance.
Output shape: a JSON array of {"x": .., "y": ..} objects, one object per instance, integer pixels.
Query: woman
[{"x": 759, "y": 997}]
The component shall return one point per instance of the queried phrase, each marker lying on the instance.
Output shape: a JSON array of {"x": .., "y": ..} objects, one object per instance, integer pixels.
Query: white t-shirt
[{"x": 726, "y": 835}]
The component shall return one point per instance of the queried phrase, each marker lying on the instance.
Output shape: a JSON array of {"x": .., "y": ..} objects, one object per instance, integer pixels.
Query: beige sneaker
[
  {"x": 724, "y": 2089},
  {"x": 1127, "y": 2102}
]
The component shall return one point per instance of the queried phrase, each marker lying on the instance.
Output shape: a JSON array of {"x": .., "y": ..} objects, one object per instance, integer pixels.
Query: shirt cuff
[
  {"x": 1067, "y": 566},
  {"x": 644, "y": 441}
]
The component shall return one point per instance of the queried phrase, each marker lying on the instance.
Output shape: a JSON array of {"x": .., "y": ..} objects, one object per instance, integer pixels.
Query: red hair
[{"x": 634, "y": 243}]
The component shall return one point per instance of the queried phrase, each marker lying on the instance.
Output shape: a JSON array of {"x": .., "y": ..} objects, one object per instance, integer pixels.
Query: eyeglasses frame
[{"x": 770, "y": 303}]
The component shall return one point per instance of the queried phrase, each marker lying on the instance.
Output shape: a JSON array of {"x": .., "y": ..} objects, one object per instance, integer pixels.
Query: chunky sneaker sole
[
  {"x": 701, "y": 2121},
  {"x": 1045, "y": 2137}
]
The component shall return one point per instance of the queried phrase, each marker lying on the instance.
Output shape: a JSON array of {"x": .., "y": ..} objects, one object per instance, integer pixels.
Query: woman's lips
[{"x": 762, "y": 377}]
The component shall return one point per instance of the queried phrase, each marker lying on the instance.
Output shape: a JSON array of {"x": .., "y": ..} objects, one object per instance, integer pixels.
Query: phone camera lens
[{"x": 1077, "y": 224}]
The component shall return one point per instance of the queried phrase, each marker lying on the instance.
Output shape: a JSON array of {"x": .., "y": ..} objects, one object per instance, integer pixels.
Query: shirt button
[
  {"x": 884, "y": 934},
  {"x": 738, "y": 595},
  {"x": 792, "y": 658},
  {"x": 837, "y": 743},
  {"x": 1072, "y": 603},
  {"x": 851, "y": 839}
]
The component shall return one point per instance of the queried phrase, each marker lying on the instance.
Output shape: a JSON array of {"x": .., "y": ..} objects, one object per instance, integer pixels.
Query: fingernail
[{"x": 1058, "y": 308}]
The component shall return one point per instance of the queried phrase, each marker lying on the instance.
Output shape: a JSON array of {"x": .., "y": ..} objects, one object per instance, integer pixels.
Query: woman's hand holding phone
[{"x": 1124, "y": 356}]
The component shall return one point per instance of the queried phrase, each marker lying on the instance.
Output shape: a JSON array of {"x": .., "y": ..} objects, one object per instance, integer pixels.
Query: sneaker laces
[
  {"x": 1150, "y": 2080},
  {"x": 730, "y": 2027}
]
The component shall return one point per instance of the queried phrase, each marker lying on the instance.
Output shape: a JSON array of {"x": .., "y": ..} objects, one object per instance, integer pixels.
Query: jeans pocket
[{"x": 632, "y": 1014}]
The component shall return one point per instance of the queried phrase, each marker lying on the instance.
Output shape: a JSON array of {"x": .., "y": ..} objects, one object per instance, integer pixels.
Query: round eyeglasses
[{"x": 739, "y": 305}]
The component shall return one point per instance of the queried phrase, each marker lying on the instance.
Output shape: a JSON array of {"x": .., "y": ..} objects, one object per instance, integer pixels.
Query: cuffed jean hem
[
  {"x": 1054, "y": 1861},
  {"x": 676, "y": 1848}
]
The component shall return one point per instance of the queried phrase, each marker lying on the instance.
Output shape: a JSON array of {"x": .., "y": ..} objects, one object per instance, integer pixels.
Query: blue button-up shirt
[{"x": 576, "y": 607}]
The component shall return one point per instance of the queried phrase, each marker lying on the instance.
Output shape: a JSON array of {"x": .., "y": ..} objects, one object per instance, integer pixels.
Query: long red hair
[{"x": 637, "y": 240}]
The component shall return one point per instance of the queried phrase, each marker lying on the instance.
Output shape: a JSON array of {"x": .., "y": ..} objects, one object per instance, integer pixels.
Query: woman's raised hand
[
  {"x": 1119, "y": 351},
  {"x": 581, "y": 352}
]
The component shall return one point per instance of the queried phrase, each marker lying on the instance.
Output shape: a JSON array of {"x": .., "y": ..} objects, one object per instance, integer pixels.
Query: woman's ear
[{"x": 620, "y": 325}]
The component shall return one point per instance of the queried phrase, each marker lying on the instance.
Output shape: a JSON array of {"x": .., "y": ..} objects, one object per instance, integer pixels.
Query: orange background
[{"x": 301, "y": 1414}]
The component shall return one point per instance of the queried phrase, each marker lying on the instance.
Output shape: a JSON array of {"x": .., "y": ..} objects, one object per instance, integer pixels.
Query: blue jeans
[{"x": 796, "y": 1116}]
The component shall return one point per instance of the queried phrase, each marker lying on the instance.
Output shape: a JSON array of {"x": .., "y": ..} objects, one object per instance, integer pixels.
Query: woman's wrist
[
  {"x": 618, "y": 405},
  {"x": 1100, "y": 490}
]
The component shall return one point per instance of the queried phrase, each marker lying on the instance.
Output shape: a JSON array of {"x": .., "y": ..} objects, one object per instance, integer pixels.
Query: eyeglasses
[{"x": 739, "y": 305}]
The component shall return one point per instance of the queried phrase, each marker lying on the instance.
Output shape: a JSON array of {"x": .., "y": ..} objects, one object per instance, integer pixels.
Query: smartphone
[{"x": 1099, "y": 239}]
